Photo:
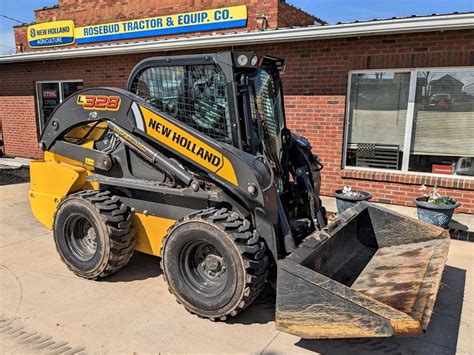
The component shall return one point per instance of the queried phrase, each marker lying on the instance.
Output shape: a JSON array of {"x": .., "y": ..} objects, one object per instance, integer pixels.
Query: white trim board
[{"x": 355, "y": 29}]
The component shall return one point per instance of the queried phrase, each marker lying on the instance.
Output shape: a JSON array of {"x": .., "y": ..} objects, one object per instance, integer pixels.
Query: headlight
[
  {"x": 254, "y": 61},
  {"x": 242, "y": 60}
]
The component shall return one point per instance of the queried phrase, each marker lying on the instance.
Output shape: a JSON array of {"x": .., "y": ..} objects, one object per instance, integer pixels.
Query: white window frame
[
  {"x": 409, "y": 118},
  {"x": 38, "y": 106}
]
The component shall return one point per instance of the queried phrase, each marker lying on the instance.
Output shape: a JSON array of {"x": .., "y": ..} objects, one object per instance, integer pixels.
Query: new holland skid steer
[{"x": 194, "y": 164}]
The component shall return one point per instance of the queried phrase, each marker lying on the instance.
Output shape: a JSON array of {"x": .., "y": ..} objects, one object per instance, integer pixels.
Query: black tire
[
  {"x": 217, "y": 243},
  {"x": 93, "y": 233}
]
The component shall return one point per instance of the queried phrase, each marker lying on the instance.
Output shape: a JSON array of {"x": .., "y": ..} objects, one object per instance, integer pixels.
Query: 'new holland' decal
[{"x": 188, "y": 145}]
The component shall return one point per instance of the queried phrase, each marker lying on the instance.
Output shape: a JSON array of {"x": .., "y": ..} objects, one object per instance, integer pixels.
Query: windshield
[{"x": 267, "y": 111}]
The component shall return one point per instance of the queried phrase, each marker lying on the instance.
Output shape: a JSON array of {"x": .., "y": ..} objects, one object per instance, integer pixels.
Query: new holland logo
[
  {"x": 51, "y": 34},
  {"x": 190, "y": 146}
]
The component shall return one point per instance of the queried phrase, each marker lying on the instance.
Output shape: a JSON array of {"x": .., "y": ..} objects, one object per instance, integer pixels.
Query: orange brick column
[{"x": 18, "y": 115}]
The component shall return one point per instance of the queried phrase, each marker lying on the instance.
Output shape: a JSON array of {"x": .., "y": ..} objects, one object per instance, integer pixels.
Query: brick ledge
[{"x": 411, "y": 179}]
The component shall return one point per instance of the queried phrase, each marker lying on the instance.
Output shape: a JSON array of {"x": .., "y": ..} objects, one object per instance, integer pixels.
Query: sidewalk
[
  {"x": 15, "y": 162},
  {"x": 132, "y": 310}
]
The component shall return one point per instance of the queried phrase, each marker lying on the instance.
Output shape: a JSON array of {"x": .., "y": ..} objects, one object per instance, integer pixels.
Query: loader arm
[{"x": 156, "y": 137}]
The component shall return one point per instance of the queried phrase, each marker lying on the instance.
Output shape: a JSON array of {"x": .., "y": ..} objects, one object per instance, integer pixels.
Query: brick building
[{"x": 387, "y": 104}]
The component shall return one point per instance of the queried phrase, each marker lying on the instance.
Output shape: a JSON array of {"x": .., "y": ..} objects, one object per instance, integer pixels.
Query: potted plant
[
  {"x": 347, "y": 198},
  {"x": 435, "y": 208}
]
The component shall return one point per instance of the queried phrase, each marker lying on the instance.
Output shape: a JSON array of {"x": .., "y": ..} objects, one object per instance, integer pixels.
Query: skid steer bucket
[{"x": 371, "y": 273}]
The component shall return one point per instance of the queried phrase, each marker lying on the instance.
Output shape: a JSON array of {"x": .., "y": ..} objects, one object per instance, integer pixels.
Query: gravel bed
[{"x": 13, "y": 175}]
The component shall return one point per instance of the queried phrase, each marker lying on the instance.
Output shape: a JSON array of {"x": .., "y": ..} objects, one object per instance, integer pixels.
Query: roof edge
[
  {"x": 316, "y": 19},
  {"x": 360, "y": 29}
]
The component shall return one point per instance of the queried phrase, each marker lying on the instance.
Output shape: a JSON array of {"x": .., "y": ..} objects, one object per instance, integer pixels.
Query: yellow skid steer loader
[{"x": 194, "y": 164}]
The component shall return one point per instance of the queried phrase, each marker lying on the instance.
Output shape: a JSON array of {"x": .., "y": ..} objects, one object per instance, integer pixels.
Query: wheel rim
[
  {"x": 203, "y": 268},
  {"x": 81, "y": 237}
]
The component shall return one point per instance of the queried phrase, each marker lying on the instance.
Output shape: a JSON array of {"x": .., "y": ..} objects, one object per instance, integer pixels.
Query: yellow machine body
[
  {"x": 56, "y": 177},
  {"x": 51, "y": 180},
  {"x": 150, "y": 232}
]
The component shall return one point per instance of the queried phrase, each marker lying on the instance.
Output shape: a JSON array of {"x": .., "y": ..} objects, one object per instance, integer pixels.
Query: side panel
[
  {"x": 50, "y": 182},
  {"x": 150, "y": 232}
]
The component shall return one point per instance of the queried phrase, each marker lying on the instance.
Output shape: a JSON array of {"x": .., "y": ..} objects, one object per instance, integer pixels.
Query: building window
[
  {"x": 50, "y": 94},
  {"x": 411, "y": 120}
]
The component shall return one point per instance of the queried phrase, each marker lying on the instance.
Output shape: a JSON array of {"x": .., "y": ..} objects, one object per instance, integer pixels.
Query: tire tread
[
  {"x": 251, "y": 247},
  {"x": 118, "y": 220}
]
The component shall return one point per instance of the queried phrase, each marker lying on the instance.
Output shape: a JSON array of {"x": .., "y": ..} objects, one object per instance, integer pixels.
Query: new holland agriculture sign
[
  {"x": 49, "y": 34},
  {"x": 63, "y": 33}
]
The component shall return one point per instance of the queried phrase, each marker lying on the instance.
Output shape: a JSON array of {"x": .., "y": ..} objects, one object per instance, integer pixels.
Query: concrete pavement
[{"x": 45, "y": 308}]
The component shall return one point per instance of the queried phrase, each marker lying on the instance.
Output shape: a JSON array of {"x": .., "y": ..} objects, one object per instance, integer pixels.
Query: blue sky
[{"x": 332, "y": 11}]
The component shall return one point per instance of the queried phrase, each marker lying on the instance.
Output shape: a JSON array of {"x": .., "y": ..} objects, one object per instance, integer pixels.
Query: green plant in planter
[
  {"x": 347, "y": 198},
  {"x": 434, "y": 197},
  {"x": 347, "y": 191},
  {"x": 435, "y": 208}
]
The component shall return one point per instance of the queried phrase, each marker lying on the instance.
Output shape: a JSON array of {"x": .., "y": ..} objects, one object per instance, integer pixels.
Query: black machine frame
[{"x": 264, "y": 208}]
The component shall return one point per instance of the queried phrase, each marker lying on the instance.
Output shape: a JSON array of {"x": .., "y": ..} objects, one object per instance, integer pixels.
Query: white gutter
[{"x": 369, "y": 28}]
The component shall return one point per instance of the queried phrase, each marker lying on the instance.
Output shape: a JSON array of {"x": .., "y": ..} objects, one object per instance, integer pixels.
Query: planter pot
[
  {"x": 437, "y": 215},
  {"x": 344, "y": 202}
]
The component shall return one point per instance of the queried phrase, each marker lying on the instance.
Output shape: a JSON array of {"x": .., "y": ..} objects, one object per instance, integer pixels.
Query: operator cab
[
  {"x": 233, "y": 97},
  {"x": 236, "y": 98}
]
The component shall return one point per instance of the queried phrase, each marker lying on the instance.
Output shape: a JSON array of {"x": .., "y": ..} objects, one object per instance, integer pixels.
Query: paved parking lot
[{"x": 43, "y": 307}]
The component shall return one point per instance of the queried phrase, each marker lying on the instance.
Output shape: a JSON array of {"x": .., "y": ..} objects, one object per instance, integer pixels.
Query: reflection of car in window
[
  {"x": 441, "y": 101},
  {"x": 465, "y": 166}
]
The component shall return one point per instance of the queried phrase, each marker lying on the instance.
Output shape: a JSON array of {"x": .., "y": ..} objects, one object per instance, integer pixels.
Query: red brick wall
[
  {"x": 314, "y": 67},
  {"x": 315, "y": 87},
  {"x": 17, "y": 115},
  {"x": 90, "y": 12},
  {"x": 289, "y": 15},
  {"x": 21, "y": 39},
  {"x": 321, "y": 119},
  {"x": 315, "y": 84}
]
